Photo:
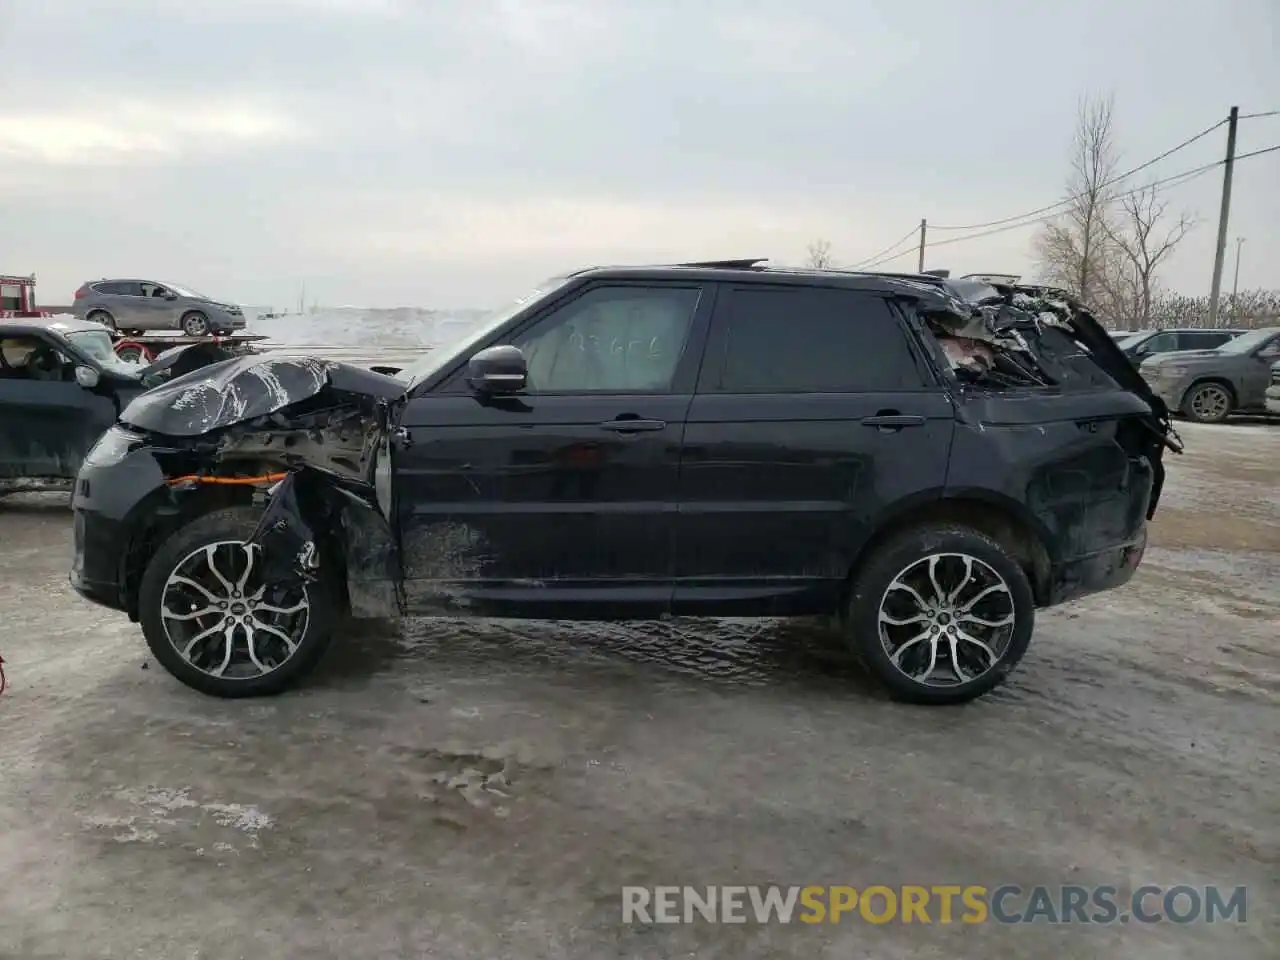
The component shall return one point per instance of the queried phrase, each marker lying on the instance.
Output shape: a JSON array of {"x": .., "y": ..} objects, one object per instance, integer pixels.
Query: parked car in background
[
  {"x": 140, "y": 305},
  {"x": 1148, "y": 343},
  {"x": 1272, "y": 398},
  {"x": 928, "y": 460},
  {"x": 61, "y": 387},
  {"x": 1207, "y": 386}
]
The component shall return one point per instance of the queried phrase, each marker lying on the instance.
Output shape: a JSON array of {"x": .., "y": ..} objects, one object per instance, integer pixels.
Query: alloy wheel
[
  {"x": 224, "y": 620},
  {"x": 1210, "y": 402},
  {"x": 946, "y": 619}
]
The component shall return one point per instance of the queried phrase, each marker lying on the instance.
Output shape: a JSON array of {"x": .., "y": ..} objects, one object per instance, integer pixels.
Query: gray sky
[{"x": 454, "y": 152}]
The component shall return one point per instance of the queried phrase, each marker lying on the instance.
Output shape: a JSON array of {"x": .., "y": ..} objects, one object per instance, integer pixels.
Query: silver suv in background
[{"x": 146, "y": 305}]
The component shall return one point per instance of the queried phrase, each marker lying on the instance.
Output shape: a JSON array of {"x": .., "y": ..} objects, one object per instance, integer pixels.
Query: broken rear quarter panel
[{"x": 1077, "y": 464}]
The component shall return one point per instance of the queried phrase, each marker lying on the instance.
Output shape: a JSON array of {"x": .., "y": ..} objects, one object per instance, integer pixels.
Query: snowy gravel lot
[{"x": 484, "y": 789}]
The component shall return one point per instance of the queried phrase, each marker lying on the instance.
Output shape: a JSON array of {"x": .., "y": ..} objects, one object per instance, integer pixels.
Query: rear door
[
  {"x": 561, "y": 499},
  {"x": 122, "y": 298},
  {"x": 814, "y": 413}
]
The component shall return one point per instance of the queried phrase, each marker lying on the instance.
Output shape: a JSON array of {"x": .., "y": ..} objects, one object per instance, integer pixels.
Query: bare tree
[
  {"x": 1144, "y": 242},
  {"x": 1075, "y": 251},
  {"x": 819, "y": 255}
]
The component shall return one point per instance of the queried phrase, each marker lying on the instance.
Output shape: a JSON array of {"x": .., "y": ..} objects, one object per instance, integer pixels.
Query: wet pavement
[{"x": 485, "y": 789}]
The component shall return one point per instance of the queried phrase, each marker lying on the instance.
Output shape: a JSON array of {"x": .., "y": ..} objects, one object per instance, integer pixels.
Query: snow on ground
[{"x": 362, "y": 335}]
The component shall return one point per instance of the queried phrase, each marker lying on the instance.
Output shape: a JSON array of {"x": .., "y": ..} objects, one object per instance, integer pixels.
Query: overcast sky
[{"x": 453, "y": 152}]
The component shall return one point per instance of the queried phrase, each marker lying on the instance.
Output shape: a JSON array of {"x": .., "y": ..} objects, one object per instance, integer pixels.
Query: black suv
[{"x": 929, "y": 459}]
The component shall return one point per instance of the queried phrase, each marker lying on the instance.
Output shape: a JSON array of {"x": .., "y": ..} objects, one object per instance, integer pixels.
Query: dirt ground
[{"x": 478, "y": 790}]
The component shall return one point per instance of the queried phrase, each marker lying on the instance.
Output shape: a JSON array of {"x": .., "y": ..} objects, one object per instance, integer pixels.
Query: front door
[
  {"x": 48, "y": 422},
  {"x": 560, "y": 500},
  {"x": 814, "y": 415}
]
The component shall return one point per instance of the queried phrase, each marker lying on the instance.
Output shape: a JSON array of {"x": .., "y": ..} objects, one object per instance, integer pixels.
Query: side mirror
[
  {"x": 87, "y": 377},
  {"x": 498, "y": 370},
  {"x": 170, "y": 295}
]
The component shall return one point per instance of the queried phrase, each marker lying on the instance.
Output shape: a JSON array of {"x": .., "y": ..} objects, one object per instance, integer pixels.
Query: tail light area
[{"x": 82, "y": 292}]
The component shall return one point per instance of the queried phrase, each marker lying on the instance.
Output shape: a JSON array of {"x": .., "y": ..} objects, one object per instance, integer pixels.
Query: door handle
[
  {"x": 633, "y": 425},
  {"x": 891, "y": 421}
]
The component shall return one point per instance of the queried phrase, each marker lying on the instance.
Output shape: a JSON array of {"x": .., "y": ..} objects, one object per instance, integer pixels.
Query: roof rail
[{"x": 750, "y": 264}]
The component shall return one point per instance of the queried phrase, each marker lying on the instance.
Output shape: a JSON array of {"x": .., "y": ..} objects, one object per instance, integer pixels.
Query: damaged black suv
[{"x": 928, "y": 459}]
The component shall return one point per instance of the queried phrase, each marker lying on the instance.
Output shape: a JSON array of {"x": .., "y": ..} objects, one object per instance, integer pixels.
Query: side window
[
  {"x": 812, "y": 340},
  {"x": 619, "y": 339},
  {"x": 32, "y": 358},
  {"x": 120, "y": 288},
  {"x": 152, "y": 290},
  {"x": 1200, "y": 340},
  {"x": 1160, "y": 343}
]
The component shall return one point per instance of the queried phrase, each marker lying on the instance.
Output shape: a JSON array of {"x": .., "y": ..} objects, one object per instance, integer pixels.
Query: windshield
[
  {"x": 185, "y": 291},
  {"x": 442, "y": 354},
  {"x": 96, "y": 345},
  {"x": 1126, "y": 338},
  {"x": 1247, "y": 342}
]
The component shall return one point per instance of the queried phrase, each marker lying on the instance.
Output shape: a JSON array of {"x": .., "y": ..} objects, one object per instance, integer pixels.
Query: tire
[
  {"x": 102, "y": 317},
  {"x": 996, "y": 577},
  {"x": 1208, "y": 403},
  {"x": 195, "y": 324},
  {"x": 311, "y": 629},
  {"x": 131, "y": 355}
]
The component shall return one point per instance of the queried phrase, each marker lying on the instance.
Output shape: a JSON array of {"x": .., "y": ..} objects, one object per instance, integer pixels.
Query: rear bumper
[{"x": 1106, "y": 570}]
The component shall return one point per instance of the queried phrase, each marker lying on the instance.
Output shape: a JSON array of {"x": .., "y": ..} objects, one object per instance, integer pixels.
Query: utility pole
[
  {"x": 1216, "y": 290},
  {"x": 1235, "y": 284},
  {"x": 924, "y": 228}
]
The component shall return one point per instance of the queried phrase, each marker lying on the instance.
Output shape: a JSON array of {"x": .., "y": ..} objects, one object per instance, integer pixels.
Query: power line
[
  {"x": 1064, "y": 203},
  {"x": 907, "y": 236},
  {"x": 1176, "y": 180},
  {"x": 1254, "y": 116}
]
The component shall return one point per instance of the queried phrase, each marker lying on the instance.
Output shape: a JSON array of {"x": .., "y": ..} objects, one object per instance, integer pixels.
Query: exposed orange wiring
[{"x": 228, "y": 481}]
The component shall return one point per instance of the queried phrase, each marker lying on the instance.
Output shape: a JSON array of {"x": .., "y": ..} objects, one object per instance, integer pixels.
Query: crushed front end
[{"x": 298, "y": 436}]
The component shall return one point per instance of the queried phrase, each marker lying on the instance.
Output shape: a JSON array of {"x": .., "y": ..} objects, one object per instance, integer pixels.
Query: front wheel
[
  {"x": 211, "y": 620},
  {"x": 1207, "y": 403},
  {"x": 941, "y": 614}
]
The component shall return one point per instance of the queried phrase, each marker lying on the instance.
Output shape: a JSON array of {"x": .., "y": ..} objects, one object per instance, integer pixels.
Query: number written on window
[{"x": 611, "y": 339}]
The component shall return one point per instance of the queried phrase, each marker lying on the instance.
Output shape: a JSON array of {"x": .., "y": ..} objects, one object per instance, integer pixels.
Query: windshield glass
[
  {"x": 1247, "y": 342},
  {"x": 96, "y": 345},
  {"x": 1126, "y": 338},
  {"x": 185, "y": 291},
  {"x": 442, "y": 354}
]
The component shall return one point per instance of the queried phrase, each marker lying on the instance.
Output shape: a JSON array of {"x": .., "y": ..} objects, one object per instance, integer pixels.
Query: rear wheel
[
  {"x": 102, "y": 317},
  {"x": 213, "y": 623},
  {"x": 941, "y": 614},
  {"x": 195, "y": 324},
  {"x": 1207, "y": 403}
]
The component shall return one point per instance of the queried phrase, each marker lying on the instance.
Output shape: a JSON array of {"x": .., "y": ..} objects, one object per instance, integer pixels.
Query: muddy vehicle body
[
  {"x": 1272, "y": 397},
  {"x": 929, "y": 460},
  {"x": 1207, "y": 386}
]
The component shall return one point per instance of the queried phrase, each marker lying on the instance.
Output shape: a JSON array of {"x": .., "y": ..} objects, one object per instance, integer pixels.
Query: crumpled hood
[{"x": 245, "y": 388}]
